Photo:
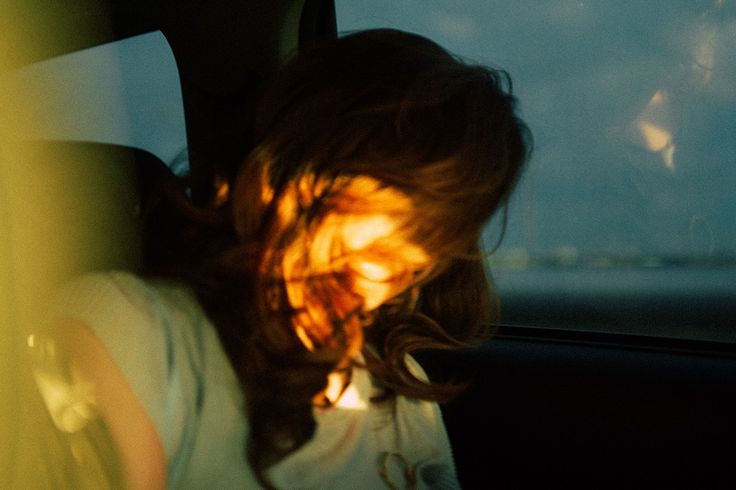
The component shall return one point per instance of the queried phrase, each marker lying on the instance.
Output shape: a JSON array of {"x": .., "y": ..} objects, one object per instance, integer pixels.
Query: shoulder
[
  {"x": 102, "y": 294},
  {"x": 131, "y": 319},
  {"x": 111, "y": 303},
  {"x": 170, "y": 356},
  {"x": 125, "y": 310},
  {"x": 92, "y": 317},
  {"x": 152, "y": 332}
]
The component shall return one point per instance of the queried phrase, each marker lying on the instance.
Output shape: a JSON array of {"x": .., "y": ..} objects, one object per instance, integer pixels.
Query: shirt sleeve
[{"x": 124, "y": 312}]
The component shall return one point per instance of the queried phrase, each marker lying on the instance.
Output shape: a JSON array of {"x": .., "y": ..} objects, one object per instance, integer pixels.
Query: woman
[{"x": 274, "y": 349}]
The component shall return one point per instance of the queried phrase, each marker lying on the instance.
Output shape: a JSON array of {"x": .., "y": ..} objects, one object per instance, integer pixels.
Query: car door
[{"x": 614, "y": 363}]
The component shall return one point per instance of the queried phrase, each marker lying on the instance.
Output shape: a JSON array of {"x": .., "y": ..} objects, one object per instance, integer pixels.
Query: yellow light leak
[{"x": 45, "y": 207}]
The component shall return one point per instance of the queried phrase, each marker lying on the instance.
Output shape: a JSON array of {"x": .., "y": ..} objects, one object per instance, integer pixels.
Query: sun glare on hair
[
  {"x": 360, "y": 231},
  {"x": 354, "y": 256},
  {"x": 373, "y": 271}
]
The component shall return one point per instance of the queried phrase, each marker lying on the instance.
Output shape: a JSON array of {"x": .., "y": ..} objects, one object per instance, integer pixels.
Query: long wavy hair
[{"x": 354, "y": 226}]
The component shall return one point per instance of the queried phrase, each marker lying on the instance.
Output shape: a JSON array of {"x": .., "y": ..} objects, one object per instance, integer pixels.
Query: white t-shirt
[{"x": 171, "y": 356}]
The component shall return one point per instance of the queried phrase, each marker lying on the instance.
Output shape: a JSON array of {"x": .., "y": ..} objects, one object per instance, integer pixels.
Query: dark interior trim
[{"x": 616, "y": 340}]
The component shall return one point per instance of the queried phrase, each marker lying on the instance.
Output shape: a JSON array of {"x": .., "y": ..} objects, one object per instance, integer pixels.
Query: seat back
[{"x": 94, "y": 196}]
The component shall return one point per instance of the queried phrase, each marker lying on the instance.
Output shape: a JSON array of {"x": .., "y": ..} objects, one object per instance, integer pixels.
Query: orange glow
[
  {"x": 310, "y": 188},
  {"x": 372, "y": 271},
  {"x": 352, "y": 259},
  {"x": 294, "y": 274},
  {"x": 287, "y": 206},
  {"x": 360, "y": 231},
  {"x": 266, "y": 189},
  {"x": 222, "y": 191},
  {"x": 343, "y": 264},
  {"x": 374, "y": 293},
  {"x": 303, "y": 336},
  {"x": 322, "y": 248}
]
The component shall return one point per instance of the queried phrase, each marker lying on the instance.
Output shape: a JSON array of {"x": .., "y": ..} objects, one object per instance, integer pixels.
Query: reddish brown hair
[{"x": 377, "y": 113}]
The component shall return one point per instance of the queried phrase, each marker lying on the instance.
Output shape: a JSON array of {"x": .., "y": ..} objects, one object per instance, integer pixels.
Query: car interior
[{"x": 573, "y": 391}]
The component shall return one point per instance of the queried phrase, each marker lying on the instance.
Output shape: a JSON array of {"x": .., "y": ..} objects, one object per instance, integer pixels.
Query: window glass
[
  {"x": 625, "y": 220},
  {"x": 126, "y": 92}
]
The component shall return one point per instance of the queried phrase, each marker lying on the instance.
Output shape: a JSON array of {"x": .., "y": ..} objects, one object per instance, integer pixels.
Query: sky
[{"x": 633, "y": 110}]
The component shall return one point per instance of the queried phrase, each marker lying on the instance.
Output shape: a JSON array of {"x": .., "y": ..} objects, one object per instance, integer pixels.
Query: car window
[
  {"x": 125, "y": 92},
  {"x": 625, "y": 219}
]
